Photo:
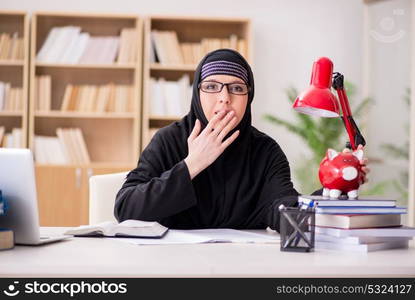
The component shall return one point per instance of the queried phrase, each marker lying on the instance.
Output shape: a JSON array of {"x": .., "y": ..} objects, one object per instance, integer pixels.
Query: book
[
  {"x": 366, "y": 201},
  {"x": 356, "y": 240},
  {"x": 402, "y": 231},
  {"x": 6, "y": 239},
  {"x": 358, "y": 221},
  {"x": 361, "y": 247},
  {"x": 128, "y": 228},
  {"x": 360, "y": 210}
]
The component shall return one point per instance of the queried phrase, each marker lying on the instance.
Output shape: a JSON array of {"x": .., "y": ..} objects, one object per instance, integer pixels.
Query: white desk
[{"x": 95, "y": 257}]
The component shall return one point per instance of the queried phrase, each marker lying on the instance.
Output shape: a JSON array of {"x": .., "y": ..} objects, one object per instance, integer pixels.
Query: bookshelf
[
  {"x": 67, "y": 87},
  {"x": 14, "y": 67},
  {"x": 204, "y": 34}
]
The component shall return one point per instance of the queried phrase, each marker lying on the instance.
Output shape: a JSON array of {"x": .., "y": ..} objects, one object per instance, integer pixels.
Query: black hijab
[{"x": 240, "y": 189}]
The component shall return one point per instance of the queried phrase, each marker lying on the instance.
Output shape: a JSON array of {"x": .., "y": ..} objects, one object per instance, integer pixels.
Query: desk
[{"x": 96, "y": 257}]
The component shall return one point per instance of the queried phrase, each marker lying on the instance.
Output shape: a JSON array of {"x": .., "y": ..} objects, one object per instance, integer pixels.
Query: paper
[{"x": 199, "y": 236}]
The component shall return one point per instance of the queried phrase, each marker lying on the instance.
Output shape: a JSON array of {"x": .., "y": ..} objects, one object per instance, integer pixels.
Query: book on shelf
[
  {"x": 166, "y": 48},
  {"x": 43, "y": 92},
  {"x": 128, "y": 46},
  {"x": 128, "y": 228},
  {"x": 12, "y": 139},
  {"x": 359, "y": 210},
  {"x": 2, "y": 131},
  {"x": 170, "y": 98},
  {"x": 402, "y": 231},
  {"x": 6, "y": 239},
  {"x": 367, "y": 201},
  {"x": 100, "y": 50},
  {"x": 48, "y": 150},
  {"x": 69, "y": 45},
  {"x": 358, "y": 221},
  {"x": 11, "y": 46},
  {"x": 11, "y": 98},
  {"x": 98, "y": 98},
  {"x": 399, "y": 244},
  {"x": 68, "y": 147}
]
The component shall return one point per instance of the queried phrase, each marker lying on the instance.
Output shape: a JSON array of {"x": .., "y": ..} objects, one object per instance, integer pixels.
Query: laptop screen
[{"x": 18, "y": 186}]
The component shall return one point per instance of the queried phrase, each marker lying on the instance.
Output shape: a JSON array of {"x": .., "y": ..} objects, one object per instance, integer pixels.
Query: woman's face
[{"x": 212, "y": 103}]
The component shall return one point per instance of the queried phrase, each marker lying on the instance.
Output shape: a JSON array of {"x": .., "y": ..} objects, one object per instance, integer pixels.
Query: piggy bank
[{"x": 341, "y": 172}]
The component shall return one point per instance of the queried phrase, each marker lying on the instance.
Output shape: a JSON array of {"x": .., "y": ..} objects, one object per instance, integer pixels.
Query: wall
[
  {"x": 388, "y": 41},
  {"x": 287, "y": 37}
]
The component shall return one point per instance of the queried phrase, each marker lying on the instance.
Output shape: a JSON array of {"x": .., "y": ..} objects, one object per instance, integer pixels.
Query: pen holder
[{"x": 297, "y": 229}]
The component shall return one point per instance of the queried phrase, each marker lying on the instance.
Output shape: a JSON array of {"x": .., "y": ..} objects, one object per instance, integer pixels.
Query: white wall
[
  {"x": 389, "y": 75},
  {"x": 287, "y": 37}
]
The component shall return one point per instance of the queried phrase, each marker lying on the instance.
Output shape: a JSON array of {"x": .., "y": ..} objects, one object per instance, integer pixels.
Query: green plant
[{"x": 319, "y": 134}]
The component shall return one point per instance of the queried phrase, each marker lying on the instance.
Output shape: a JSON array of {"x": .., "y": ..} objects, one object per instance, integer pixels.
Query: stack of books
[
  {"x": 68, "y": 45},
  {"x": 363, "y": 225},
  {"x": 170, "y": 98},
  {"x": 68, "y": 147},
  {"x": 110, "y": 97},
  {"x": 11, "y": 46},
  {"x": 166, "y": 48},
  {"x": 12, "y": 139},
  {"x": 11, "y": 98}
]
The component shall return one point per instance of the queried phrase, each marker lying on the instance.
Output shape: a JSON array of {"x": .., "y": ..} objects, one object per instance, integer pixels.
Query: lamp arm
[{"x": 355, "y": 137}]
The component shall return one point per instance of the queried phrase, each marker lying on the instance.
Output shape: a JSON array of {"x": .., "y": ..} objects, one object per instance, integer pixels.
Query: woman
[{"x": 211, "y": 169}]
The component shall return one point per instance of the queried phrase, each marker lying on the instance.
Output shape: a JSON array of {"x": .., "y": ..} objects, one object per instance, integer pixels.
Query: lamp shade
[{"x": 318, "y": 100}]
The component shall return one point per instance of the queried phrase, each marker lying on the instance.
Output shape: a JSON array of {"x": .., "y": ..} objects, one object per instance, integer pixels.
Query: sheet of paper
[{"x": 198, "y": 236}]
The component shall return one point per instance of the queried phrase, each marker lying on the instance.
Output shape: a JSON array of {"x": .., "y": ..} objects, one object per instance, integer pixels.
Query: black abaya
[{"x": 241, "y": 189}]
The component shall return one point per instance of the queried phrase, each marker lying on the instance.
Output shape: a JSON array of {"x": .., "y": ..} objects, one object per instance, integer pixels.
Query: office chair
[{"x": 102, "y": 192}]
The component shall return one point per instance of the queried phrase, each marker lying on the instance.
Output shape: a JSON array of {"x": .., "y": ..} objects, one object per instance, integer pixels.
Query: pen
[{"x": 305, "y": 208}]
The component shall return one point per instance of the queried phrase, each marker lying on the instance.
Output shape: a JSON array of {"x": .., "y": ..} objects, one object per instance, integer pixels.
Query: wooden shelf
[
  {"x": 11, "y": 114},
  {"x": 88, "y": 115},
  {"x": 165, "y": 118},
  {"x": 12, "y": 63},
  {"x": 125, "y": 165},
  {"x": 88, "y": 66},
  {"x": 161, "y": 67},
  {"x": 112, "y": 139},
  {"x": 16, "y": 72}
]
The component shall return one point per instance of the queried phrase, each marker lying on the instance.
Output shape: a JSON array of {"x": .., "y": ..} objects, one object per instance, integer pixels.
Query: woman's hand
[
  {"x": 363, "y": 163},
  {"x": 205, "y": 148}
]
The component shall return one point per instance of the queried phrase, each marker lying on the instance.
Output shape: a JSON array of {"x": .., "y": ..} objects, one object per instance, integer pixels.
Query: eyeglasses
[{"x": 216, "y": 87}]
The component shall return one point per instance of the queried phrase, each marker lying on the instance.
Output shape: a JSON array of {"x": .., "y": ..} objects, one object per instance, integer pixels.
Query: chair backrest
[{"x": 102, "y": 192}]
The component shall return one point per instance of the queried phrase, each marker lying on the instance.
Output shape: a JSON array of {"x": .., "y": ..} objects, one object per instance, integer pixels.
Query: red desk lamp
[
  {"x": 339, "y": 172},
  {"x": 318, "y": 100}
]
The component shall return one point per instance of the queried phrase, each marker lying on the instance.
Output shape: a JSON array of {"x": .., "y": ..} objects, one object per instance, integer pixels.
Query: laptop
[{"x": 18, "y": 186}]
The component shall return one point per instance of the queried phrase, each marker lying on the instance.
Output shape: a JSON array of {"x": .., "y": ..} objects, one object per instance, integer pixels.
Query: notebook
[
  {"x": 360, "y": 210},
  {"x": 366, "y": 201},
  {"x": 361, "y": 247},
  {"x": 402, "y": 231},
  {"x": 128, "y": 228},
  {"x": 358, "y": 221}
]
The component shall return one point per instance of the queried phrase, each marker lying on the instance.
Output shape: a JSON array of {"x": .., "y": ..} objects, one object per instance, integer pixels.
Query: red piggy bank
[{"x": 341, "y": 172}]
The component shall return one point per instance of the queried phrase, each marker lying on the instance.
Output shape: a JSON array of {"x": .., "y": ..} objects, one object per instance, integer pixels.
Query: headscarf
[{"x": 225, "y": 188}]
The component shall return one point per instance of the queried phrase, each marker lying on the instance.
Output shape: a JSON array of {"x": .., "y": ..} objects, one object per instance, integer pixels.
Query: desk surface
[{"x": 95, "y": 257}]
